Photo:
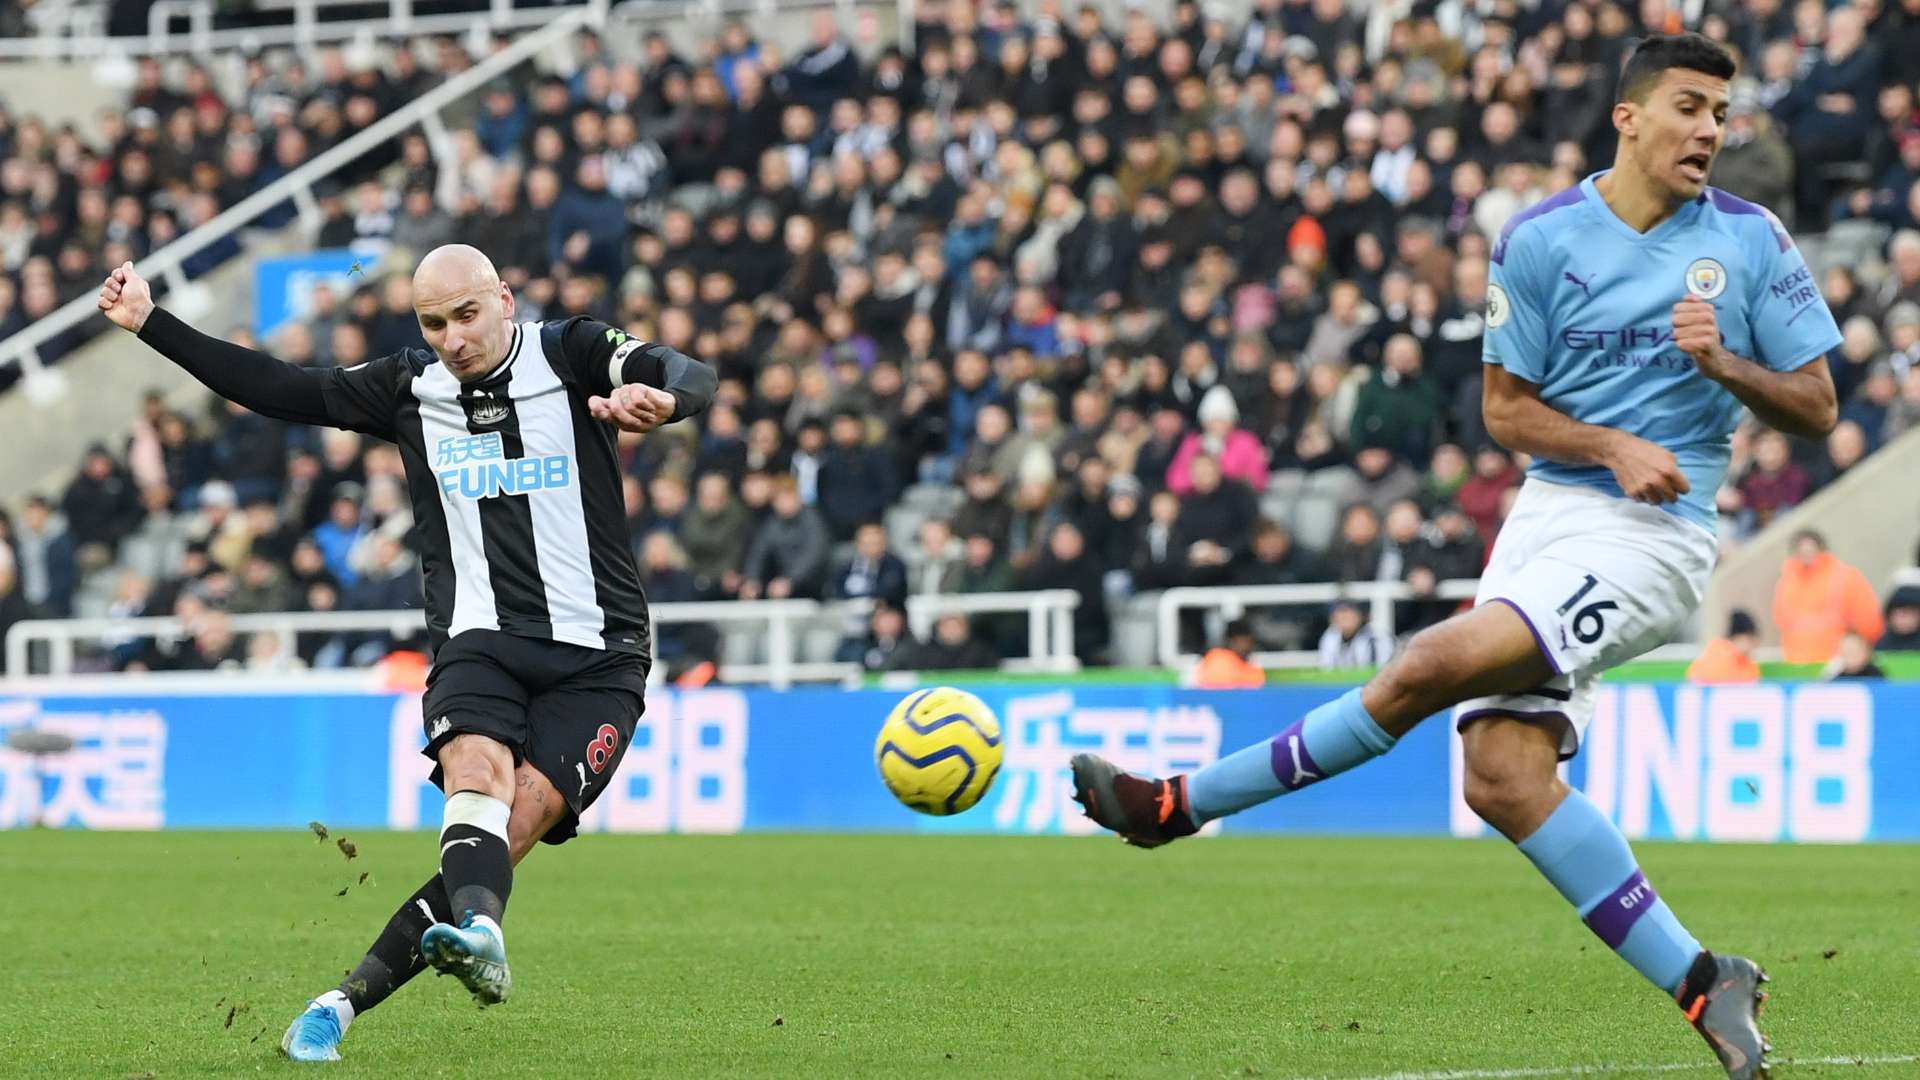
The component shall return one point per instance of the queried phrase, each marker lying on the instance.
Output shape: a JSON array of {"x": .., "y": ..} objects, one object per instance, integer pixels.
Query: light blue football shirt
[{"x": 1581, "y": 305}]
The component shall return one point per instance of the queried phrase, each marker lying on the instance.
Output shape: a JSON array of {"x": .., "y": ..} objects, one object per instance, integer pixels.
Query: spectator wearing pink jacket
[{"x": 1239, "y": 451}]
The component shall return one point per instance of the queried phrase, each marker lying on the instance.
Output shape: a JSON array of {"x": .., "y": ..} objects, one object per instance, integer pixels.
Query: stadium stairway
[
  {"x": 106, "y": 379},
  {"x": 1870, "y": 518},
  {"x": 61, "y": 93}
]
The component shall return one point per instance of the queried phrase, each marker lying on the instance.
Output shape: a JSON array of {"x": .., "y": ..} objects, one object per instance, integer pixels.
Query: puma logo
[
  {"x": 582, "y": 767},
  {"x": 1582, "y": 284},
  {"x": 472, "y": 841},
  {"x": 1301, "y": 774},
  {"x": 424, "y": 908}
]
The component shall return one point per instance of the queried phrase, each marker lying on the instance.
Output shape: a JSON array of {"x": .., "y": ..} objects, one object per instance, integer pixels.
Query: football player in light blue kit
[{"x": 1629, "y": 321}]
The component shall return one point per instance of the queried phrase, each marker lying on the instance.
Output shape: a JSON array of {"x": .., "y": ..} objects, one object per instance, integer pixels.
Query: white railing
[
  {"x": 1233, "y": 600},
  {"x": 60, "y": 635},
  {"x": 165, "y": 264},
  {"x": 78, "y": 33},
  {"x": 1049, "y": 621},
  {"x": 781, "y": 620}
]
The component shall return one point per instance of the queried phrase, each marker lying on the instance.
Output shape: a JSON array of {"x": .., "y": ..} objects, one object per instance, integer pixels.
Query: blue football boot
[
  {"x": 475, "y": 953},
  {"x": 314, "y": 1035}
]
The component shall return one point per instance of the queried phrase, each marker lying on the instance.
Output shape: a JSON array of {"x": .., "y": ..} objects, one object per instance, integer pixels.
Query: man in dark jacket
[
  {"x": 825, "y": 70},
  {"x": 1830, "y": 111},
  {"x": 101, "y": 504},
  {"x": 1903, "y": 621},
  {"x": 44, "y": 558},
  {"x": 589, "y": 226},
  {"x": 1097, "y": 257},
  {"x": 873, "y": 571},
  {"x": 1755, "y": 162},
  {"x": 788, "y": 557},
  {"x": 1216, "y": 524},
  {"x": 1397, "y": 407},
  {"x": 1277, "y": 560},
  {"x": 1066, "y": 564},
  {"x": 884, "y": 640},
  {"x": 952, "y": 648},
  {"x": 857, "y": 481}
]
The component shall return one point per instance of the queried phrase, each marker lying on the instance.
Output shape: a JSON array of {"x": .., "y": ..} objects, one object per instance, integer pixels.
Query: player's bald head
[
  {"x": 453, "y": 269},
  {"x": 464, "y": 310}
]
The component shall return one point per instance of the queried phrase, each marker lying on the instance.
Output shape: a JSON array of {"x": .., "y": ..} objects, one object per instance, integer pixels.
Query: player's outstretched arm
[
  {"x": 268, "y": 386},
  {"x": 1799, "y": 402},
  {"x": 1518, "y": 420}
]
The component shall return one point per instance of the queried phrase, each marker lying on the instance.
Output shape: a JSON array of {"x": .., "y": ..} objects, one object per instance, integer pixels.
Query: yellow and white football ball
[{"x": 939, "y": 750}]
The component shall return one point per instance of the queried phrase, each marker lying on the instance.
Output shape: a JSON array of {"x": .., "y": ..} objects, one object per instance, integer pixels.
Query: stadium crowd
[{"x": 1137, "y": 292}]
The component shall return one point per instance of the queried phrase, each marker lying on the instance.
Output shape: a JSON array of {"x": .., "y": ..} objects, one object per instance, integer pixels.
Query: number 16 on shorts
[{"x": 1589, "y": 623}]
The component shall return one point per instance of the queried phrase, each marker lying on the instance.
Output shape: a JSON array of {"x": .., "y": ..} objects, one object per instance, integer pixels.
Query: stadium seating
[{"x": 1157, "y": 210}]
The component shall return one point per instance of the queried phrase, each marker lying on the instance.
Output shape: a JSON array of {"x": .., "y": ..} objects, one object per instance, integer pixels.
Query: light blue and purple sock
[
  {"x": 1586, "y": 858},
  {"x": 1331, "y": 739}
]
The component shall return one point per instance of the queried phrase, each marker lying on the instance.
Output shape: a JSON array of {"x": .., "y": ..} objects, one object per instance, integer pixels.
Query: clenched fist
[
  {"x": 633, "y": 407},
  {"x": 1696, "y": 331},
  {"x": 125, "y": 298}
]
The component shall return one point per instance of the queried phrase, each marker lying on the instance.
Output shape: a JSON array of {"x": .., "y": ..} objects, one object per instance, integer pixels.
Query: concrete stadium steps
[
  {"x": 106, "y": 378},
  {"x": 1870, "y": 518}
]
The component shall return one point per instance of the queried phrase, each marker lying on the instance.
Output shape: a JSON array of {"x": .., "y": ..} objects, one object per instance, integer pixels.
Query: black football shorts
[{"x": 567, "y": 710}]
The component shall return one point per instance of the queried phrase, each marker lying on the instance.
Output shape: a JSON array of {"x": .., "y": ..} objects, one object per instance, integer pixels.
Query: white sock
[{"x": 341, "y": 1007}]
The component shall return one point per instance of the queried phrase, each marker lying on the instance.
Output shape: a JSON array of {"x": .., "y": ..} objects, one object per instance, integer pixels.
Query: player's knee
[
  {"x": 1496, "y": 794},
  {"x": 1507, "y": 780},
  {"x": 1420, "y": 674}
]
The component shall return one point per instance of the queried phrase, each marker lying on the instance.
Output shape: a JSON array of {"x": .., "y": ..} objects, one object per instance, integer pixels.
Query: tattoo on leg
[{"x": 533, "y": 788}]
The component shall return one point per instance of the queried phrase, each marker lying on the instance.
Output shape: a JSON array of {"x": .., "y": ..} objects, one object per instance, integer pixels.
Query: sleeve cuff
[{"x": 160, "y": 325}]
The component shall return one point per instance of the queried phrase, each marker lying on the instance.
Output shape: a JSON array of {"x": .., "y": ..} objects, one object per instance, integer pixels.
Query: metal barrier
[
  {"x": 1051, "y": 611},
  {"x": 166, "y": 263},
  {"x": 60, "y": 635},
  {"x": 1234, "y": 600},
  {"x": 77, "y": 32},
  {"x": 1049, "y": 621}
]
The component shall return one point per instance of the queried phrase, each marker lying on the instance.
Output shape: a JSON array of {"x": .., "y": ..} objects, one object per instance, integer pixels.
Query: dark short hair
[{"x": 1660, "y": 52}]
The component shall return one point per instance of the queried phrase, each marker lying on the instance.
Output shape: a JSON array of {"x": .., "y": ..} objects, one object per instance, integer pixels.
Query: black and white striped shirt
[{"x": 519, "y": 517}]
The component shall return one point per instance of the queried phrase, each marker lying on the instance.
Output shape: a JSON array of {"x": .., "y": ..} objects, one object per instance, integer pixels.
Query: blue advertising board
[
  {"x": 1813, "y": 762},
  {"x": 283, "y": 286}
]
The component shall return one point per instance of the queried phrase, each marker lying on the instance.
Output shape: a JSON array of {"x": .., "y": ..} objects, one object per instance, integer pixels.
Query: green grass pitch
[{"x": 185, "y": 955}]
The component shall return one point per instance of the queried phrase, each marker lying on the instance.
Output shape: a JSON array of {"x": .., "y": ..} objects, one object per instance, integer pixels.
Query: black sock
[
  {"x": 395, "y": 955},
  {"x": 474, "y": 858}
]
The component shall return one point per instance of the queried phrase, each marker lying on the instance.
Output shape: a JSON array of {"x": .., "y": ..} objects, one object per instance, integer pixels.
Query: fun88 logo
[{"x": 477, "y": 467}]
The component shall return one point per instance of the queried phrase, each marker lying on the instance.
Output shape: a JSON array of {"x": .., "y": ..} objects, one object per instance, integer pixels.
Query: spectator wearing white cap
[
  {"x": 219, "y": 527},
  {"x": 1238, "y": 451}
]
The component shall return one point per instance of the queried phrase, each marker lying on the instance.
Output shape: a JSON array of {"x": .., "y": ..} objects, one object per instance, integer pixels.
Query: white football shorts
[{"x": 1599, "y": 580}]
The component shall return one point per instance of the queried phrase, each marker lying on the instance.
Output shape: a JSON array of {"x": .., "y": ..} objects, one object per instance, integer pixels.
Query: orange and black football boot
[{"x": 1145, "y": 812}]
